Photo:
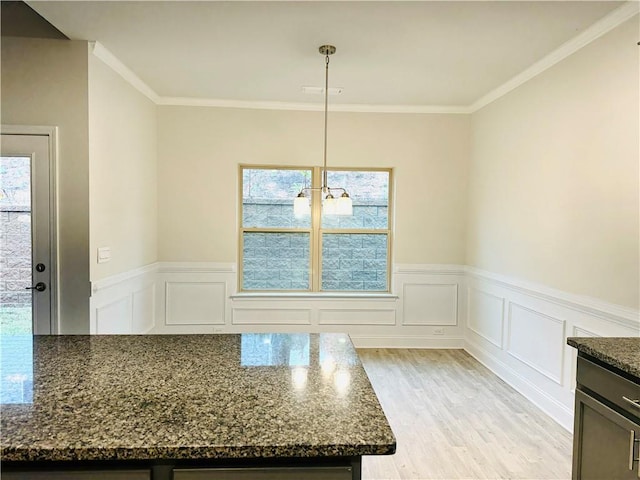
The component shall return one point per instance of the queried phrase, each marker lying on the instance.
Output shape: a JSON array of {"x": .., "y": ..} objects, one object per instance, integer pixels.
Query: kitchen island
[
  {"x": 193, "y": 407},
  {"x": 606, "y": 434}
]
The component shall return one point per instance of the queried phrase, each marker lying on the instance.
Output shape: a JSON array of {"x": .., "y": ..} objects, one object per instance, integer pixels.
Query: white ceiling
[{"x": 388, "y": 53}]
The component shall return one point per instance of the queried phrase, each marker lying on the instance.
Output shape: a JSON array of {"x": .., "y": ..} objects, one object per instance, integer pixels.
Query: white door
[{"x": 26, "y": 208}]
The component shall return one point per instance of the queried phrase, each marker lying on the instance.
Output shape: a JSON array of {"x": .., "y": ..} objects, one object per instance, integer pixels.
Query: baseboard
[
  {"x": 549, "y": 405},
  {"x": 406, "y": 341}
]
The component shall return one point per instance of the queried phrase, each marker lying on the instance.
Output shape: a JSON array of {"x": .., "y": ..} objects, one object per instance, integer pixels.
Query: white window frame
[{"x": 316, "y": 231}]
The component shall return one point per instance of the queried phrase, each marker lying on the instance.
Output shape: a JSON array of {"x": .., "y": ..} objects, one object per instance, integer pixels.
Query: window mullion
[{"x": 316, "y": 212}]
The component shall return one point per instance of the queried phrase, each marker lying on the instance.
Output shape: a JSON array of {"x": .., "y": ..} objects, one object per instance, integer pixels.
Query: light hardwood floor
[{"x": 454, "y": 419}]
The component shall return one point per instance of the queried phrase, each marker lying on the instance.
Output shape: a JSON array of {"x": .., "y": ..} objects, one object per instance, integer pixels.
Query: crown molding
[
  {"x": 99, "y": 51},
  {"x": 601, "y": 27},
  {"x": 310, "y": 107},
  {"x": 595, "y": 31}
]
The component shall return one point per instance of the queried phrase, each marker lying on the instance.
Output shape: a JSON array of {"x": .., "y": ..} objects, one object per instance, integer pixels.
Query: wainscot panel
[
  {"x": 371, "y": 319},
  {"x": 193, "y": 297},
  {"x": 124, "y": 303},
  {"x": 271, "y": 316},
  {"x": 144, "y": 306},
  {"x": 430, "y": 304},
  {"x": 485, "y": 315},
  {"x": 194, "y": 303},
  {"x": 114, "y": 318},
  {"x": 577, "y": 332},
  {"x": 537, "y": 340},
  {"x": 535, "y": 359},
  {"x": 357, "y": 316}
]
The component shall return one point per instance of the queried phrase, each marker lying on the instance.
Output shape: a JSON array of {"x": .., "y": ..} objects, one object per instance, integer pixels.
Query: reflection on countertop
[
  {"x": 270, "y": 349},
  {"x": 16, "y": 368}
]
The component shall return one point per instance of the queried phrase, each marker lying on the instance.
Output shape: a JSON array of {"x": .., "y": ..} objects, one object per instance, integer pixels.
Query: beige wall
[
  {"x": 44, "y": 82},
  {"x": 200, "y": 149},
  {"x": 122, "y": 172},
  {"x": 554, "y": 175}
]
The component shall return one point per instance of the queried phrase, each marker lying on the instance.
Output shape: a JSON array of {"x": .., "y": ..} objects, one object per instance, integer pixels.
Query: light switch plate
[{"x": 104, "y": 254}]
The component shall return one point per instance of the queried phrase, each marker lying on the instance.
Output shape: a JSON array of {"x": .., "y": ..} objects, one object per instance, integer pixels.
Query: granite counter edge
[
  {"x": 26, "y": 454},
  {"x": 608, "y": 358}
]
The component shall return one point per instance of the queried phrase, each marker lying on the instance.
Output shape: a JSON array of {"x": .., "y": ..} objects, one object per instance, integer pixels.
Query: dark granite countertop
[
  {"x": 144, "y": 397},
  {"x": 622, "y": 353}
]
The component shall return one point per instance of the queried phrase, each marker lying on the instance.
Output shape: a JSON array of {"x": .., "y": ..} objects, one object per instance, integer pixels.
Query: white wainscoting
[
  {"x": 194, "y": 297},
  {"x": 430, "y": 304},
  {"x": 261, "y": 315},
  {"x": 537, "y": 340},
  {"x": 203, "y": 298},
  {"x": 519, "y": 331},
  {"x": 485, "y": 315},
  {"x": 124, "y": 303},
  {"x": 194, "y": 303}
]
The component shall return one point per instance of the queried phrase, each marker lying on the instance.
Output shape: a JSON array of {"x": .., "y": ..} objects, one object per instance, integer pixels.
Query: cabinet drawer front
[
  {"x": 609, "y": 385},
  {"x": 293, "y": 473}
]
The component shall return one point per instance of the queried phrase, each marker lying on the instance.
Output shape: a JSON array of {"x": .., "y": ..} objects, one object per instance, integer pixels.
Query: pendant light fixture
[{"x": 330, "y": 205}]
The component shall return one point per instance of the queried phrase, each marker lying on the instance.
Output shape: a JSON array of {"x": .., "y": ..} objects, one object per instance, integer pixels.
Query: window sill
[{"x": 313, "y": 296}]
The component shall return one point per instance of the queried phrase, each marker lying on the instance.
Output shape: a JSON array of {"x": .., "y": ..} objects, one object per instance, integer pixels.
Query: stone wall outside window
[{"x": 280, "y": 261}]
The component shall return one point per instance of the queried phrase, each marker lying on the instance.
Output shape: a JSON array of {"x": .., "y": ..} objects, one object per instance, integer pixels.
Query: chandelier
[{"x": 330, "y": 204}]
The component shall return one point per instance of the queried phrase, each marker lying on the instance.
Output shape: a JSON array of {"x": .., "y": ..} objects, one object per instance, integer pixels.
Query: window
[{"x": 280, "y": 251}]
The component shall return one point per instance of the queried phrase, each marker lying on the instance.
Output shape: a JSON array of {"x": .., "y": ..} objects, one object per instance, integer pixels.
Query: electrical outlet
[{"x": 438, "y": 331}]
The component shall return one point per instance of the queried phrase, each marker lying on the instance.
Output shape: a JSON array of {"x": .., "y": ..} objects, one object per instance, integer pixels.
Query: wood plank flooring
[{"x": 454, "y": 419}]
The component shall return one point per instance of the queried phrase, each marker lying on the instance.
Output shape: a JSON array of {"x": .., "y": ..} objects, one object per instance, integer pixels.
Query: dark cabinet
[
  {"x": 607, "y": 425},
  {"x": 274, "y": 473},
  {"x": 79, "y": 475}
]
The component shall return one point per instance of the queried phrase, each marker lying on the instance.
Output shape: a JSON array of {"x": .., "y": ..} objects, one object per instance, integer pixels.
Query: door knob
[{"x": 40, "y": 286}]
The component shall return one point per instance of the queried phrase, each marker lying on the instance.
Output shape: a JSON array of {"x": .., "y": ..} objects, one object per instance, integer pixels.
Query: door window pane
[
  {"x": 275, "y": 261},
  {"x": 267, "y": 197},
  {"x": 354, "y": 261},
  {"x": 15, "y": 246},
  {"x": 369, "y": 192}
]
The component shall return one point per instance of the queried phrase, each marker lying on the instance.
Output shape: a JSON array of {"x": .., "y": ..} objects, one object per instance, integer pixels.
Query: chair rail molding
[{"x": 625, "y": 316}]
